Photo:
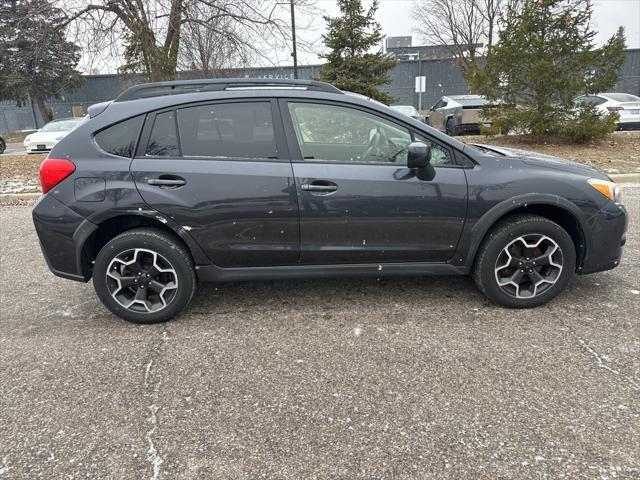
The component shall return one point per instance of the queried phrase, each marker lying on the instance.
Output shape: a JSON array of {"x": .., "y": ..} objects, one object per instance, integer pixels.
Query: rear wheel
[
  {"x": 525, "y": 261},
  {"x": 144, "y": 276},
  {"x": 3, "y": 145}
]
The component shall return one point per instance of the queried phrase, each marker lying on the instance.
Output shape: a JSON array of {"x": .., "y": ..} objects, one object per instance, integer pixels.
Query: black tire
[
  {"x": 494, "y": 260},
  {"x": 450, "y": 128},
  {"x": 3, "y": 146},
  {"x": 171, "y": 256}
]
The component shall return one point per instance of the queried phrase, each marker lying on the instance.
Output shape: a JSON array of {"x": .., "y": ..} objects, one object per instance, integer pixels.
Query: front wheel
[
  {"x": 144, "y": 276},
  {"x": 3, "y": 145},
  {"x": 524, "y": 261},
  {"x": 450, "y": 128}
]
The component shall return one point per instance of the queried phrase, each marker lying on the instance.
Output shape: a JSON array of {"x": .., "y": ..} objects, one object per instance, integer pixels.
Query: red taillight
[{"x": 53, "y": 171}]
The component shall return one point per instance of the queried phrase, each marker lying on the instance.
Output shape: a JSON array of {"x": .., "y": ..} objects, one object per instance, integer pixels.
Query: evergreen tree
[
  {"x": 36, "y": 60},
  {"x": 544, "y": 58},
  {"x": 350, "y": 65}
]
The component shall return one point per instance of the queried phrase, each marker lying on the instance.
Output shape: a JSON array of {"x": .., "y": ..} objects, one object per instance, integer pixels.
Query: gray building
[{"x": 443, "y": 78}]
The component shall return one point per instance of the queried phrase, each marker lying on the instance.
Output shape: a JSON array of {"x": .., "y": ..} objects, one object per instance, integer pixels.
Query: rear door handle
[
  {"x": 167, "y": 181},
  {"x": 319, "y": 186}
]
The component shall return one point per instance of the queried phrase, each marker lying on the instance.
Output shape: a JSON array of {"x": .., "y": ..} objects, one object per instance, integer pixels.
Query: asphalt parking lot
[
  {"x": 404, "y": 378},
  {"x": 13, "y": 148}
]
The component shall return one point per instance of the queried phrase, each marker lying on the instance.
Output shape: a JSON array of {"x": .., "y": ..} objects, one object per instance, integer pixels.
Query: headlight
[
  {"x": 60, "y": 138},
  {"x": 607, "y": 188},
  {"x": 27, "y": 139}
]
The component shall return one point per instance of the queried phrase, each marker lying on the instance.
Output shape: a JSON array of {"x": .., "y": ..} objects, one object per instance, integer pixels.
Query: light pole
[{"x": 294, "y": 53}]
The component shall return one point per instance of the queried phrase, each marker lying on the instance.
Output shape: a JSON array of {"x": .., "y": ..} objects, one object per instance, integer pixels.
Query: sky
[{"x": 396, "y": 20}]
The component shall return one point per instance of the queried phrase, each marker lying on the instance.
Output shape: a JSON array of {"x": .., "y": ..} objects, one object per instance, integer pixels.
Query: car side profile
[
  {"x": 458, "y": 114},
  {"x": 224, "y": 180},
  {"x": 627, "y": 107}
]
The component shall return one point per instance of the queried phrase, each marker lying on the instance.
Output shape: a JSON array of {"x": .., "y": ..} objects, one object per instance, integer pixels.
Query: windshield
[
  {"x": 61, "y": 125},
  {"x": 622, "y": 97}
]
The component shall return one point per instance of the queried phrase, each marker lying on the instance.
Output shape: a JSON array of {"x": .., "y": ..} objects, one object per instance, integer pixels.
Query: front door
[
  {"x": 224, "y": 176},
  {"x": 359, "y": 203},
  {"x": 437, "y": 115}
]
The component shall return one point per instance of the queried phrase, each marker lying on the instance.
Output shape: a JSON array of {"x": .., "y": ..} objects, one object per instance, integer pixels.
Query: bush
[
  {"x": 579, "y": 124},
  {"x": 588, "y": 125}
]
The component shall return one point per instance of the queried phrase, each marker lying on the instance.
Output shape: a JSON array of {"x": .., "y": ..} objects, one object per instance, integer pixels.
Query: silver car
[
  {"x": 458, "y": 114},
  {"x": 408, "y": 110},
  {"x": 627, "y": 106}
]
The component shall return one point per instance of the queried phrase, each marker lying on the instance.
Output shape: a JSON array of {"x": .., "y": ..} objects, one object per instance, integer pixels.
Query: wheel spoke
[
  {"x": 125, "y": 281},
  {"x": 545, "y": 258},
  {"x": 142, "y": 294},
  {"x": 516, "y": 278},
  {"x": 536, "y": 278}
]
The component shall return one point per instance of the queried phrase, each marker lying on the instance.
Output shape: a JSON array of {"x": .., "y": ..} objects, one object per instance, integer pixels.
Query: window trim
[
  {"x": 278, "y": 132},
  {"x": 145, "y": 144},
  {"x": 296, "y": 153}
]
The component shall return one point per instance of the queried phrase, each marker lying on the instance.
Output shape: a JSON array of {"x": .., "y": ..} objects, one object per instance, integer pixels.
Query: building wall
[{"x": 443, "y": 78}]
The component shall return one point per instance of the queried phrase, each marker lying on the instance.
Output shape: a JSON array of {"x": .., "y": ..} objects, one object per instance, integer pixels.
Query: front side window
[
  {"x": 439, "y": 154},
  {"x": 347, "y": 135},
  {"x": 120, "y": 139},
  {"x": 237, "y": 130},
  {"x": 163, "y": 141}
]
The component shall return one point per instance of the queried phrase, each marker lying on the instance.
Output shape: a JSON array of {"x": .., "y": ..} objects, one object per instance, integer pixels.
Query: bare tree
[
  {"x": 206, "y": 49},
  {"x": 460, "y": 25},
  {"x": 148, "y": 33}
]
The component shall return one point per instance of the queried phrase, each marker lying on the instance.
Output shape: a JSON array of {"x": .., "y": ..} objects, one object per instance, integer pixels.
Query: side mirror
[{"x": 418, "y": 155}]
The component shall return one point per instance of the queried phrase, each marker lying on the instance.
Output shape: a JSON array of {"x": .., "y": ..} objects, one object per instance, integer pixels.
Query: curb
[
  {"x": 626, "y": 177},
  {"x": 13, "y": 197}
]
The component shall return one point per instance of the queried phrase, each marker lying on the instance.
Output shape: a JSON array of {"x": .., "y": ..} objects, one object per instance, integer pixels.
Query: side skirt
[{"x": 213, "y": 273}]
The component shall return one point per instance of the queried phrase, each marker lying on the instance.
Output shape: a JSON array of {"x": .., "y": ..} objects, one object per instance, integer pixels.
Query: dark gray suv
[{"x": 246, "y": 179}]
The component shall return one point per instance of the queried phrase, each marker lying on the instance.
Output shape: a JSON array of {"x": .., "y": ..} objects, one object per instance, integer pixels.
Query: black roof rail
[{"x": 176, "y": 87}]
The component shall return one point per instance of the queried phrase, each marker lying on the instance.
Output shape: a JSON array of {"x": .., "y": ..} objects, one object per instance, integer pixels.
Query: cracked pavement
[{"x": 354, "y": 378}]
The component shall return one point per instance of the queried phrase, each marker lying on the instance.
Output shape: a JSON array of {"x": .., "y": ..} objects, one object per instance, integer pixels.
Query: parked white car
[
  {"x": 624, "y": 104},
  {"x": 44, "y": 139}
]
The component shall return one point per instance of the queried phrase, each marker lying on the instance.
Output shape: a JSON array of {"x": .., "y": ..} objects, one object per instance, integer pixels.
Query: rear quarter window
[{"x": 120, "y": 139}]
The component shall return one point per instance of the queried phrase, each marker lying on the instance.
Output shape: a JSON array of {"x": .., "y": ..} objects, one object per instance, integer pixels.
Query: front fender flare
[{"x": 495, "y": 213}]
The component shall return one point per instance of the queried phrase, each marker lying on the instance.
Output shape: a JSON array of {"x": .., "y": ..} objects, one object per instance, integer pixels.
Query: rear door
[
  {"x": 221, "y": 170},
  {"x": 359, "y": 203}
]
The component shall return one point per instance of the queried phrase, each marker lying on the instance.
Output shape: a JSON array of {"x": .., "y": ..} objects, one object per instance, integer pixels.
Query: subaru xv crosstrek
[{"x": 241, "y": 179}]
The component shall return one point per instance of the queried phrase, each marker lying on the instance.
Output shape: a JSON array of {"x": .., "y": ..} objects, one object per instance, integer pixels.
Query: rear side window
[
  {"x": 120, "y": 139},
  {"x": 163, "y": 141},
  {"x": 237, "y": 130}
]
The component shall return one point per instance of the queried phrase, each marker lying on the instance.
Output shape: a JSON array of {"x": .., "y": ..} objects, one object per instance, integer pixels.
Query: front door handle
[
  {"x": 319, "y": 186},
  {"x": 167, "y": 181}
]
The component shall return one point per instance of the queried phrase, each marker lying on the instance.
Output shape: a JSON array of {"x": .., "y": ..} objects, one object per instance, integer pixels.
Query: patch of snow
[
  {"x": 153, "y": 457},
  {"x": 18, "y": 185}
]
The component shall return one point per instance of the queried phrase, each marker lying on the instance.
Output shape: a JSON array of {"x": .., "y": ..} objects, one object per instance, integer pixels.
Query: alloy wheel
[
  {"x": 142, "y": 280},
  {"x": 529, "y": 266}
]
